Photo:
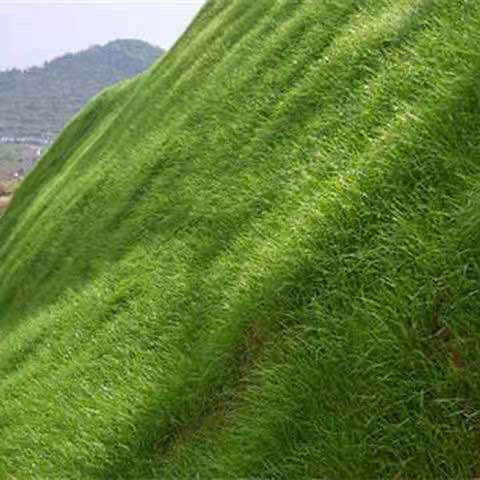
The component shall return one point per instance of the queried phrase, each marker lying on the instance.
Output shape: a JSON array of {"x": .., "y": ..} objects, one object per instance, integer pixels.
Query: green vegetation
[
  {"x": 259, "y": 259},
  {"x": 38, "y": 102}
]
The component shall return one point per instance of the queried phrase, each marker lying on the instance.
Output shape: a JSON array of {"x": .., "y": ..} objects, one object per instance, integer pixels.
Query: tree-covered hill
[
  {"x": 260, "y": 259},
  {"x": 39, "y": 101}
]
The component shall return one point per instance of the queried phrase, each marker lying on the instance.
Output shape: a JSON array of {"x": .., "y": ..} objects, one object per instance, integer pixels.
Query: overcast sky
[{"x": 35, "y": 31}]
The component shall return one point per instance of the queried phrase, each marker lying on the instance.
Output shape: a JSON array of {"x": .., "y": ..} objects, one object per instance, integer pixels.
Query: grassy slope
[{"x": 258, "y": 259}]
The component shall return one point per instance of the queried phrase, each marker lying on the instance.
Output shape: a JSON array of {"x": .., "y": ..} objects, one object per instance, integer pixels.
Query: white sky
[{"x": 34, "y": 31}]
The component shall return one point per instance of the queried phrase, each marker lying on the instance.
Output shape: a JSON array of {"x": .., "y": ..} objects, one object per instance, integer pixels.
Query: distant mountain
[{"x": 36, "y": 103}]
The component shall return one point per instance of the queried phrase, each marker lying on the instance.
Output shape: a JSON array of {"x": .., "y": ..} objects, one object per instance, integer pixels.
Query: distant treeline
[{"x": 39, "y": 101}]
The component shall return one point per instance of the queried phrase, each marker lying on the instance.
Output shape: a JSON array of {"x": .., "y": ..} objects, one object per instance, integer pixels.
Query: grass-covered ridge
[{"x": 259, "y": 259}]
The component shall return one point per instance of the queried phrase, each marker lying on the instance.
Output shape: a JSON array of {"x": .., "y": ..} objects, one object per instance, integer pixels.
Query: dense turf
[{"x": 259, "y": 259}]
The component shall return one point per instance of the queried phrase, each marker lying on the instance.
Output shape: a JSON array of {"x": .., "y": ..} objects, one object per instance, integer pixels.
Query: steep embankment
[{"x": 259, "y": 259}]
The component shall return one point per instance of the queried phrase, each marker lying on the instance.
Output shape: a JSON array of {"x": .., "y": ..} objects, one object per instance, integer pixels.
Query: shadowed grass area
[{"x": 258, "y": 259}]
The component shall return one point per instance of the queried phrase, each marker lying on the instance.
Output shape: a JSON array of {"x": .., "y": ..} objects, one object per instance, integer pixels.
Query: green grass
[{"x": 258, "y": 259}]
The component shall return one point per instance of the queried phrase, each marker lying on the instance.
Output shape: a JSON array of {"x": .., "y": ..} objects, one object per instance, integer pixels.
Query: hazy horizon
[{"x": 35, "y": 32}]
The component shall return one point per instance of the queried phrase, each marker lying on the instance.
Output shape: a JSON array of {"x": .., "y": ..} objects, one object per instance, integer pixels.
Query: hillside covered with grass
[
  {"x": 38, "y": 102},
  {"x": 258, "y": 260}
]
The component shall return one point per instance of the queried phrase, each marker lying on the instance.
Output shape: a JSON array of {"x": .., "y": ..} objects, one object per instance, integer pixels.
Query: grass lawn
[{"x": 259, "y": 259}]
